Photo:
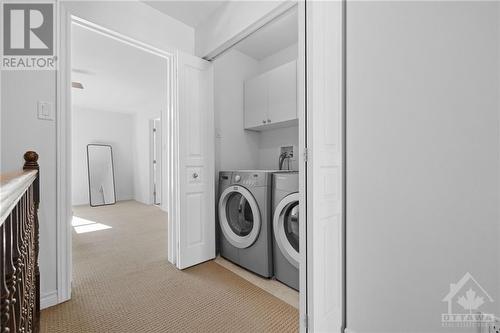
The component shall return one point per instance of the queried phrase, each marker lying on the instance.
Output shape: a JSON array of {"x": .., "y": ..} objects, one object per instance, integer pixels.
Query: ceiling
[
  {"x": 116, "y": 77},
  {"x": 273, "y": 37},
  {"x": 189, "y": 12}
]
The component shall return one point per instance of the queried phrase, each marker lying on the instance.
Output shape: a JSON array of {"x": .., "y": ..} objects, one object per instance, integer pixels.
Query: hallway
[{"x": 122, "y": 282}]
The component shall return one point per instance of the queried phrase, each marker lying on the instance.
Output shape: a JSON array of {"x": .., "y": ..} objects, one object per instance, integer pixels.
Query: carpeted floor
[{"x": 123, "y": 283}]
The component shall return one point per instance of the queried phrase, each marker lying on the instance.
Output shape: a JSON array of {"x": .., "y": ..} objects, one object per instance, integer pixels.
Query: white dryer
[{"x": 285, "y": 197}]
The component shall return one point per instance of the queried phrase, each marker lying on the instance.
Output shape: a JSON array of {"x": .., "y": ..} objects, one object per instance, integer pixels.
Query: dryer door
[
  {"x": 286, "y": 227},
  {"x": 239, "y": 216}
]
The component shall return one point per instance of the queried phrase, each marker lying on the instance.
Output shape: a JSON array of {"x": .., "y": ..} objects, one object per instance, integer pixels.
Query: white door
[
  {"x": 325, "y": 166},
  {"x": 256, "y": 101},
  {"x": 196, "y": 215},
  {"x": 157, "y": 162},
  {"x": 283, "y": 93}
]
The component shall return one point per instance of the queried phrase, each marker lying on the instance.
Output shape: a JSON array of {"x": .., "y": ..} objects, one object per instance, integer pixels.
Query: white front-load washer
[
  {"x": 244, "y": 212},
  {"x": 285, "y": 197}
]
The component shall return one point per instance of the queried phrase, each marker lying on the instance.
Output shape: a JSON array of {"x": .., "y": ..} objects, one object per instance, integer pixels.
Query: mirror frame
[{"x": 112, "y": 169}]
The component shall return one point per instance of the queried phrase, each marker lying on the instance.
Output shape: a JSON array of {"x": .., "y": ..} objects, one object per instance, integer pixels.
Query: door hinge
[
  {"x": 306, "y": 322},
  {"x": 306, "y": 154}
]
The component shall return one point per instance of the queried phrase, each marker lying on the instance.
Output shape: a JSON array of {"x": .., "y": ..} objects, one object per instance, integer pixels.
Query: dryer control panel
[{"x": 250, "y": 179}]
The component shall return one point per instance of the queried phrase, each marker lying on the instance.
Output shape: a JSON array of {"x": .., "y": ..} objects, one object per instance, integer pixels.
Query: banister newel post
[{"x": 31, "y": 163}]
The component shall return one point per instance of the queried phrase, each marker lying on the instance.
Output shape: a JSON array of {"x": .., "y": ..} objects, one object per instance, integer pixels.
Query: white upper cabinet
[
  {"x": 282, "y": 99},
  {"x": 256, "y": 101},
  {"x": 271, "y": 98}
]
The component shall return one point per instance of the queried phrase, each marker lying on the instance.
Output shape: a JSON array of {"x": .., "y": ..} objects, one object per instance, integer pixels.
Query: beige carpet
[{"x": 123, "y": 283}]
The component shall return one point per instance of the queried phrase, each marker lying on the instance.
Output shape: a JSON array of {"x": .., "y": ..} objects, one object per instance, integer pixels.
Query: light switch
[{"x": 45, "y": 110}]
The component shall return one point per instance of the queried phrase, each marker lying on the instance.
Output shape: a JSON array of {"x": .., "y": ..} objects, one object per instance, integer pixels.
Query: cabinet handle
[
  {"x": 263, "y": 121},
  {"x": 195, "y": 175}
]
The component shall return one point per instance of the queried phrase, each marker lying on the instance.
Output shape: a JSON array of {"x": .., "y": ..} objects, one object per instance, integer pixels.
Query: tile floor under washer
[{"x": 274, "y": 287}]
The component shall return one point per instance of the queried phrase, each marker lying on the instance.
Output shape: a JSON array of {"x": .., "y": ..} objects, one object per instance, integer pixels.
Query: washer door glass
[
  {"x": 239, "y": 216},
  {"x": 291, "y": 224},
  {"x": 286, "y": 228}
]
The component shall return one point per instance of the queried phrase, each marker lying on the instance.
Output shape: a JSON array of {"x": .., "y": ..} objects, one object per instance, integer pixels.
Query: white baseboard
[
  {"x": 48, "y": 299},
  {"x": 347, "y": 330}
]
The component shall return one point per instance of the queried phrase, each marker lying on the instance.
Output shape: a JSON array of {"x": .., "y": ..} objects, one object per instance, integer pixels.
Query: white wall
[
  {"x": 422, "y": 160},
  {"x": 137, "y": 20},
  {"x": 281, "y": 57},
  {"x": 498, "y": 138},
  {"x": 22, "y": 131},
  {"x": 227, "y": 22},
  {"x": 129, "y": 134},
  {"x": 269, "y": 147},
  {"x": 19, "y": 107},
  {"x": 113, "y": 128},
  {"x": 235, "y": 147}
]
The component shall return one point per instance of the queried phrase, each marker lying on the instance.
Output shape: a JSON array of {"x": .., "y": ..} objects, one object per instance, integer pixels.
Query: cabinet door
[
  {"x": 256, "y": 101},
  {"x": 283, "y": 93}
]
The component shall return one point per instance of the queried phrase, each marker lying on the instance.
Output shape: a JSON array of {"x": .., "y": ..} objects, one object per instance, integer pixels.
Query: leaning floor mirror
[{"x": 101, "y": 175}]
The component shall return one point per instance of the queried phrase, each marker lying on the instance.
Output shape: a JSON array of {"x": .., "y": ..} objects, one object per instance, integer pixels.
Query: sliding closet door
[{"x": 324, "y": 166}]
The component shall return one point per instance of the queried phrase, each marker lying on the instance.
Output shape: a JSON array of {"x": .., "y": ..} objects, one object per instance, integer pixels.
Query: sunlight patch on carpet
[{"x": 82, "y": 226}]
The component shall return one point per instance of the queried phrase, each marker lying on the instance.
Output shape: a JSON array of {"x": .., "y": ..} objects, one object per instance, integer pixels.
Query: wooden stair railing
[{"x": 19, "y": 272}]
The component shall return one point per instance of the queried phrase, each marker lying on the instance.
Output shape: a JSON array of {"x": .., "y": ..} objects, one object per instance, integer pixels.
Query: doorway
[
  {"x": 101, "y": 115},
  {"x": 117, "y": 93}
]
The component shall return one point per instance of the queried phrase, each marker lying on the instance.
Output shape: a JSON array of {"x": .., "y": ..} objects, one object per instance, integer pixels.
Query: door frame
[{"x": 65, "y": 19}]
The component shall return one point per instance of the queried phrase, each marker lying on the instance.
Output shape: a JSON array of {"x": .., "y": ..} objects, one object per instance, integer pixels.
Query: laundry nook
[{"x": 257, "y": 138}]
